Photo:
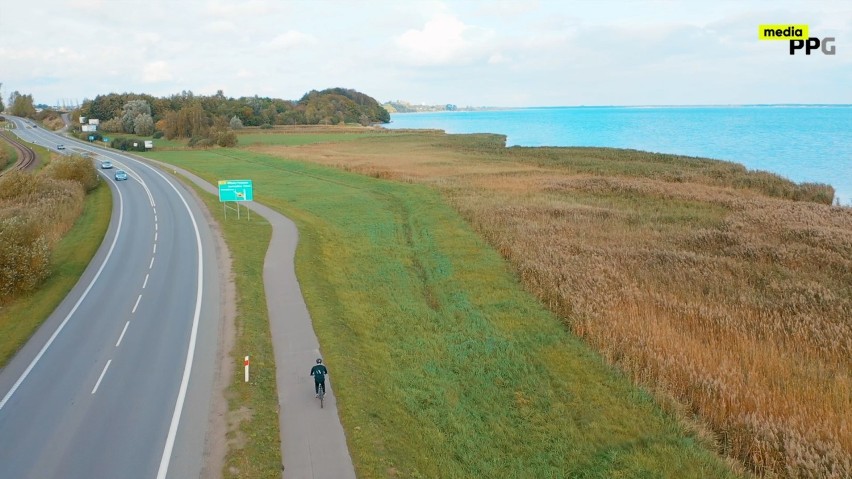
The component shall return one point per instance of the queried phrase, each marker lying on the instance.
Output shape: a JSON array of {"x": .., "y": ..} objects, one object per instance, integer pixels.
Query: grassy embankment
[
  {"x": 443, "y": 365},
  {"x": 696, "y": 277},
  {"x": 72, "y": 254}
]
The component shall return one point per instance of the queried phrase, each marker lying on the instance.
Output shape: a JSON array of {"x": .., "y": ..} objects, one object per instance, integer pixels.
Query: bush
[
  {"x": 24, "y": 258},
  {"x": 127, "y": 144},
  {"x": 225, "y": 138},
  {"x": 75, "y": 168},
  {"x": 266, "y": 126},
  {"x": 199, "y": 142},
  {"x": 158, "y": 134}
]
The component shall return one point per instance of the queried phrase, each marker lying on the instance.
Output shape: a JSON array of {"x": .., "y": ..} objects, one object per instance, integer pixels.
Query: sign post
[
  {"x": 235, "y": 191},
  {"x": 246, "y": 363}
]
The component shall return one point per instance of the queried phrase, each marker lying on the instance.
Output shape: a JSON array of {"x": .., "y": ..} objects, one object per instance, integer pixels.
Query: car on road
[
  {"x": 60, "y": 146},
  {"x": 120, "y": 175},
  {"x": 105, "y": 165}
]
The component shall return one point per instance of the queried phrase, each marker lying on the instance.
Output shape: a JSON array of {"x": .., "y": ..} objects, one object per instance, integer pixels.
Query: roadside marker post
[{"x": 246, "y": 363}]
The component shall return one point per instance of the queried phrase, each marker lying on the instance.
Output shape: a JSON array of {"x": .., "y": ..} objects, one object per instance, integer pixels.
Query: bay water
[{"x": 805, "y": 143}]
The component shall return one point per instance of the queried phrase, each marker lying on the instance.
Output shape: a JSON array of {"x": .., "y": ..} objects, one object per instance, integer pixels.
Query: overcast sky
[{"x": 470, "y": 53}]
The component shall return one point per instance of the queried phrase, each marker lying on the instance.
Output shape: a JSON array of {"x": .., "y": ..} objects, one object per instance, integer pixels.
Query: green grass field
[
  {"x": 19, "y": 319},
  {"x": 443, "y": 365}
]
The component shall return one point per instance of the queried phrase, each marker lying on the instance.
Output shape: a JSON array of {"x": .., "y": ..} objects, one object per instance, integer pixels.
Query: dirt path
[{"x": 313, "y": 443}]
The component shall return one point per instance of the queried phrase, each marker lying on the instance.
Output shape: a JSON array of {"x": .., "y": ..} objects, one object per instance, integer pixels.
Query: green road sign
[{"x": 235, "y": 190}]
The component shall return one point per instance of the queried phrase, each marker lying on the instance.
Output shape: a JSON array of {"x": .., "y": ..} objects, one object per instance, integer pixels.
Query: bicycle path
[{"x": 313, "y": 444}]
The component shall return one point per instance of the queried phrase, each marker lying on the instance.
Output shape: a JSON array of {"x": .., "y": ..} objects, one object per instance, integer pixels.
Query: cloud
[
  {"x": 220, "y": 26},
  {"x": 156, "y": 72},
  {"x": 290, "y": 40},
  {"x": 440, "y": 41},
  {"x": 231, "y": 9}
]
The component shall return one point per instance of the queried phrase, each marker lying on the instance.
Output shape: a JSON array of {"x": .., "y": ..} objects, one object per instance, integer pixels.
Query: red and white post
[{"x": 246, "y": 363}]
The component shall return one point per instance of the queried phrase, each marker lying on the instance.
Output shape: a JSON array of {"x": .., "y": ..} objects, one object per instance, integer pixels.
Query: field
[
  {"x": 700, "y": 280},
  {"x": 444, "y": 366}
]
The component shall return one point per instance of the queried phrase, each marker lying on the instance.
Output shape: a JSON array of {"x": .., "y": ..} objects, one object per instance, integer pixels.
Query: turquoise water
[{"x": 803, "y": 143}]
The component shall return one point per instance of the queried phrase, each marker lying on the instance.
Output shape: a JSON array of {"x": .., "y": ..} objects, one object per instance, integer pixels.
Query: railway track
[{"x": 26, "y": 156}]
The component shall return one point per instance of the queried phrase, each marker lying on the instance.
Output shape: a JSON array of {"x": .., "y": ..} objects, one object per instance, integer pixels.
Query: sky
[{"x": 465, "y": 52}]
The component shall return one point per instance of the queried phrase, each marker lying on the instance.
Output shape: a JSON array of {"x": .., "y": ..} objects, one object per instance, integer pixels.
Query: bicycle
[{"x": 321, "y": 393}]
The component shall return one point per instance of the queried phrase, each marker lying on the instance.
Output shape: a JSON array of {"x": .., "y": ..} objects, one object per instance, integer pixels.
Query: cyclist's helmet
[{"x": 319, "y": 360}]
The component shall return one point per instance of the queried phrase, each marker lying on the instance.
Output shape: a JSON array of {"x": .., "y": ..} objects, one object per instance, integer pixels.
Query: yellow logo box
[{"x": 782, "y": 32}]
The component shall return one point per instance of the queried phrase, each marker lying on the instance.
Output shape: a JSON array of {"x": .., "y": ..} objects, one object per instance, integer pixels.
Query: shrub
[
  {"x": 158, "y": 134},
  {"x": 197, "y": 142},
  {"x": 225, "y": 138},
  {"x": 127, "y": 144},
  {"x": 24, "y": 258},
  {"x": 75, "y": 168}
]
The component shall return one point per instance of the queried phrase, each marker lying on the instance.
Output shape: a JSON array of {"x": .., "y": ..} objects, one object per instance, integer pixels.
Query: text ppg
[{"x": 812, "y": 43}]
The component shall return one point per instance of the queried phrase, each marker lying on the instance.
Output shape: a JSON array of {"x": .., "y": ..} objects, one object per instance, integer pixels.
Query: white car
[
  {"x": 60, "y": 147},
  {"x": 105, "y": 165}
]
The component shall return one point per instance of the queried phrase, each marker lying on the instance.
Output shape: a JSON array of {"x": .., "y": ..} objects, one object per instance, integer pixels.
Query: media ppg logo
[{"x": 798, "y": 37}]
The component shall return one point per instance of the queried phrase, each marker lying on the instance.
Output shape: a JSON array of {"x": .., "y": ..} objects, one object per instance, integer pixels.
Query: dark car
[
  {"x": 120, "y": 175},
  {"x": 60, "y": 147}
]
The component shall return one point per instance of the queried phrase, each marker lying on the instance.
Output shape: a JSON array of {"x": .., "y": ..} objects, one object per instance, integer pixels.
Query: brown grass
[{"x": 695, "y": 277}]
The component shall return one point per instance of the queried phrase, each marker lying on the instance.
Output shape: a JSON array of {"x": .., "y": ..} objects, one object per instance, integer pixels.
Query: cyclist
[{"x": 318, "y": 372}]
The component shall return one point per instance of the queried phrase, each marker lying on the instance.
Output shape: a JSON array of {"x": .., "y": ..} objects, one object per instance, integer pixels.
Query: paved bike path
[{"x": 313, "y": 444}]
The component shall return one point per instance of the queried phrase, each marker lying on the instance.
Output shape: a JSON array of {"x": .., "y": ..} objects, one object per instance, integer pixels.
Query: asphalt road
[{"x": 118, "y": 381}]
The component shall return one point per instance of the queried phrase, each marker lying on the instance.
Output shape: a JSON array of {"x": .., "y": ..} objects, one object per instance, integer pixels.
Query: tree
[
  {"x": 131, "y": 110},
  {"x": 143, "y": 125},
  {"x": 2, "y": 107},
  {"x": 236, "y": 123},
  {"x": 23, "y": 105},
  {"x": 113, "y": 125}
]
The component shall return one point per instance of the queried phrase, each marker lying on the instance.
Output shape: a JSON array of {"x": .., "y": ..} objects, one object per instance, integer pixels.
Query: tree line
[{"x": 186, "y": 115}]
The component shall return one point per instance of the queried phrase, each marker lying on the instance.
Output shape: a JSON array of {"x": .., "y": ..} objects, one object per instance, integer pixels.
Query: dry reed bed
[
  {"x": 741, "y": 312},
  {"x": 735, "y": 304}
]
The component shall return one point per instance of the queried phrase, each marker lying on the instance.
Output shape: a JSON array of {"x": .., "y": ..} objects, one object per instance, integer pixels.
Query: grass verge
[
  {"x": 443, "y": 365},
  {"x": 19, "y": 319}
]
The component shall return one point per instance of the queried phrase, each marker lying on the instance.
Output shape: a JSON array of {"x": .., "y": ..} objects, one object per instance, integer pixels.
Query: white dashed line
[
  {"x": 102, "y": 376},
  {"x": 146, "y": 281},
  {"x": 136, "y": 305},
  {"x": 155, "y": 248},
  {"x": 122, "y": 333},
  {"x": 155, "y": 236},
  {"x": 152, "y": 264}
]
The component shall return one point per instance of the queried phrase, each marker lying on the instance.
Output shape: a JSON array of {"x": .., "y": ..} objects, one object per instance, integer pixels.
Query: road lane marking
[
  {"x": 122, "y": 333},
  {"x": 155, "y": 236},
  {"x": 152, "y": 263},
  {"x": 102, "y": 376},
  {"x": 155, "y": 217},
  {"x": 155, "y": 227},
  {"x": 61, "y": 326},
  {"x": 163, "y": 471},
  {"x": 146, "y": 281},
  {"x": 136, "y": 305},
  {"x": 155, "y": 248}
]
